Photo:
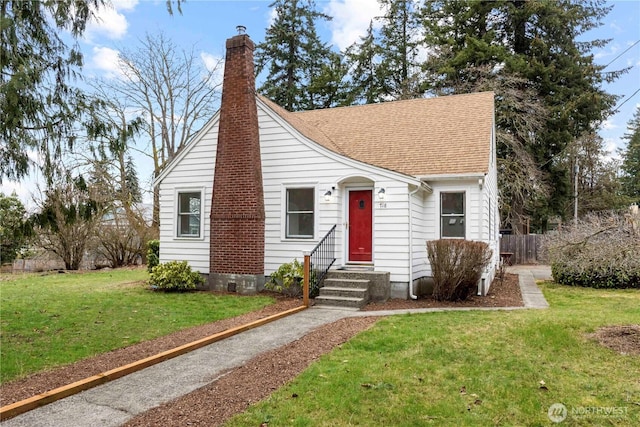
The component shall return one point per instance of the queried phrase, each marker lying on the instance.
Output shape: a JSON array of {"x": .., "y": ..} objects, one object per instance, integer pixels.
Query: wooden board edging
[{"x": 22, "y": 406}]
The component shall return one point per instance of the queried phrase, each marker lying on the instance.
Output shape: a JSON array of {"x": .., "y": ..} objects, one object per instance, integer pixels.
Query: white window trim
[
  {"x": 465, "y": 211},
  {"x": 283, "y": 209},
  {"x": 176, "y": 217}
]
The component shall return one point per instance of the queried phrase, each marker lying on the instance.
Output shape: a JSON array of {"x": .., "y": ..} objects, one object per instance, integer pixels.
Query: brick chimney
[{"x": 237, "y": 210}]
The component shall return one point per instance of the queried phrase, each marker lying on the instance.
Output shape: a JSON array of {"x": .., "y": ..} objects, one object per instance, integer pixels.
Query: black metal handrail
[{"x": 322, "y": 258}]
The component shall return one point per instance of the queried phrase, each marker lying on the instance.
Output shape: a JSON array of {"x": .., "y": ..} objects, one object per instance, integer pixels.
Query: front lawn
[
  {"x": 473, "y": 369},
  {"x": 48, "y": 320}
]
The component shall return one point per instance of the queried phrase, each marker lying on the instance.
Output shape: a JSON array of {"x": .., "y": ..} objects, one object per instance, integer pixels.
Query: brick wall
[{"x": 237, "y": 212}]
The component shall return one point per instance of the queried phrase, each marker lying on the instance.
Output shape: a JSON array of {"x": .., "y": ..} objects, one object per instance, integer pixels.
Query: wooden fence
[{"x": 524, "y": 248}]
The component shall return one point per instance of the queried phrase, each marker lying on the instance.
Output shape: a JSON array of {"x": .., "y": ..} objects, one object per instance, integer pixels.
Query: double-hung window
[
  {"x": 300, "y": 213},
  {"x": 189, "y": 213},
  {"x": 452, "y": 215}
]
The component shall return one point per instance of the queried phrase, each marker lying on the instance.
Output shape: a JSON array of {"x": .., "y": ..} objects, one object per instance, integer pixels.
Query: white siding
[
  {"x": 288, "y": 159},
  {"x": 193, "y": 171},
  {"x": 424, "y": 228},
  {"x": 430, "y": 222},
  {"x": 482, "y": 217}
]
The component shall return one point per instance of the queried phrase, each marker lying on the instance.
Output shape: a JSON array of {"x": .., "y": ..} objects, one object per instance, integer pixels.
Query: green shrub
[
  {"x": 287, "y": 279},
  {"x": 153, "y": 254},
  {"x": 601, "y": 251},
  {"x": 174, "y": 276},
  {"x": 456, "y": 266}
]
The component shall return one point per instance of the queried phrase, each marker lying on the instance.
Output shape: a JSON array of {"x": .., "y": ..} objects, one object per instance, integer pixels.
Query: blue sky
[{"x": 206, "y": 24}]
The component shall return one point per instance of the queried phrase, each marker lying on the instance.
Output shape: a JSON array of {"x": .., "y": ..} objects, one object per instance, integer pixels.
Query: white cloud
[
  {"x": 616, "y": 28},
  {"x": 24, "y": 190},
  {"x": 608, "y": 124},
  {"x": 27, "y": 188},
  {"x": 109, "y": 21},
  {"x": 128, "y": 5},
  {"x": 106, "y": 60},
  {"x": 271, "y": 19},
  {"x": 611, "y": 149},
  {"x": 350, "y": 20},
  {"x": 609, "y": 51},
  {"x": 214, "y": 63}
]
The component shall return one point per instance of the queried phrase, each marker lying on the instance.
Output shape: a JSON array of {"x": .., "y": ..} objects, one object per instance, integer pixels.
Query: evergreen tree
[
  {"x": 295, "y": 58},
  {"x": 131, "y": 182},
  {"x": 39, "y": 104},
  {"x": 399, "y": 72},
  {"x": 537, "y": 43},
  {"x": 330, "y": 87},
  {"x": 631, "y": 159},
  {"x": 14, "y": 228},
  {"x": 363, "y": 58}
]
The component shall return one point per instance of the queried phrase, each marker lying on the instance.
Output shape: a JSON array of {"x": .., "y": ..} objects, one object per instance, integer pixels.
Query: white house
[{"x": 389, "y": 176}]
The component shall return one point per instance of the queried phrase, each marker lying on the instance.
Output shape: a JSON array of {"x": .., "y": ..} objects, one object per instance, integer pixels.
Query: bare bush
[
  {"x": 600, "y": 251},
  {"x": 456, "y": 266}
]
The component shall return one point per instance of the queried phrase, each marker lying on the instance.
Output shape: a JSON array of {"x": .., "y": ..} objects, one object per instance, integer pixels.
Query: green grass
[
  {"x": 48, "y": 320},
  {"x": 409, "y": 370}
]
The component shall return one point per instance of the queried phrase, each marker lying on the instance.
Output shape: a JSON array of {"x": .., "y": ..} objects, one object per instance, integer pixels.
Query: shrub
[
  {"x": 153, "y": 254},
  {"x": 174, "y": 276},
  {"x": 456, "y": 266},
  {"x": 287, "y": 278},
  {"x": 601, "y": 251}
]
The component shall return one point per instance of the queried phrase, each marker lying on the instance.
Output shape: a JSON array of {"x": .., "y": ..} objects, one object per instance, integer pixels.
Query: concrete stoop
[
  {"x": 352, "y": 293},
  {"x": 353, "y": 289}
]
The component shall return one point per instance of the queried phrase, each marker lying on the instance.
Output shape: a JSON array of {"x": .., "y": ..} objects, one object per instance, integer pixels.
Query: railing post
[{"x": 307, "y": 275}]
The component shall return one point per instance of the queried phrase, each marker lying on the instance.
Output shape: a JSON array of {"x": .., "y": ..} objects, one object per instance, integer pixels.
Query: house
[{"x": 258, "y": 185}]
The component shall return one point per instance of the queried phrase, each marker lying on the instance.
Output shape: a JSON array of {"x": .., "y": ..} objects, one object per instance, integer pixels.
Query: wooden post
[{"x": 307, "y": 275}]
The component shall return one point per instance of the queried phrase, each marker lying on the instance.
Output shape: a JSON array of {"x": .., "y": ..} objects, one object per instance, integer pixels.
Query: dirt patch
[
  {"x": 502, "y": 293},
  {"x": 623, "y": 339}
]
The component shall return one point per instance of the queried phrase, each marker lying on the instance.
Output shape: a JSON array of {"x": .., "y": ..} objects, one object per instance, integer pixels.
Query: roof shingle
[{"x": 417, "y": 137}]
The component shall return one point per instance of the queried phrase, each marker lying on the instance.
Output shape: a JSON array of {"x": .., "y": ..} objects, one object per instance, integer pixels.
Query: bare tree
[{"x": 171, "y": 89}]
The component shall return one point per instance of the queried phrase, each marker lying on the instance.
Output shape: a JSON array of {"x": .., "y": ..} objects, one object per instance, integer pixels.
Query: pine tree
[
  {"x": 399, "y": 44},
  {"x": 631, "y": 159},
  {"x": 535, "y": 42},
  {"x": 39, "y": 103},
  {"x": 363, "y": 58},
  {"x": 294, "y": 57}
]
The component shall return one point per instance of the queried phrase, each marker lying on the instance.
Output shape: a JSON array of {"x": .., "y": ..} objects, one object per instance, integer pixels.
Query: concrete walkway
[
  {"x": 528, "y": 274},
  {"x": 114, "y": 403}
]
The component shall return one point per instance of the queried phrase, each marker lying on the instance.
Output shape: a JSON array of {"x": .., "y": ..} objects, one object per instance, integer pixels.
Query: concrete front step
[
  {"x": 336, "y": 291},
  {"x": 379, "y": 281},
  {"x": 340, "y": 282},
  {"x": 339, "y": 292},
  {"x": 340, "y": 301}
]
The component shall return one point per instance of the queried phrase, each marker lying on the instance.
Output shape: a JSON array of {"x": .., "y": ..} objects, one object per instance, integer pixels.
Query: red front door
[{"x": 360, "y": 221}]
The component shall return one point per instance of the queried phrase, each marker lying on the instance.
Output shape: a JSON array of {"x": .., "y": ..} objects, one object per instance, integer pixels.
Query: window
[
  {"x": 452, "y": 215},
  {"x": 299, "y": 213},
  {"x": 189, "y": 214}
]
